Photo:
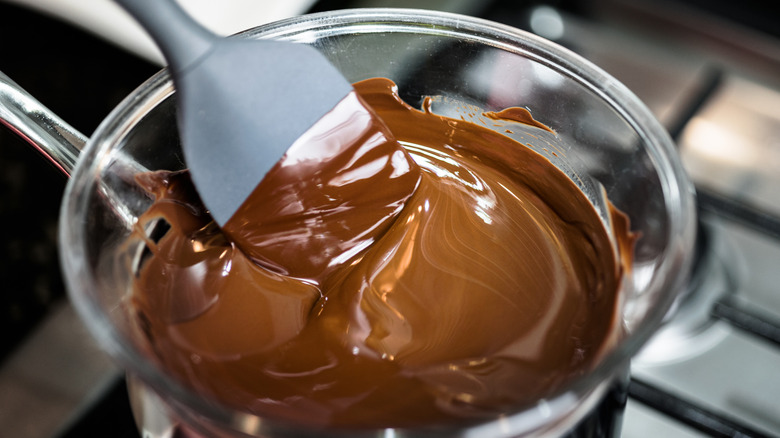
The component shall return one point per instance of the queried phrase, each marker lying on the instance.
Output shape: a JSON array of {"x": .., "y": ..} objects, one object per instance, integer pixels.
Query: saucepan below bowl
[{"x": 610, "y": 139}]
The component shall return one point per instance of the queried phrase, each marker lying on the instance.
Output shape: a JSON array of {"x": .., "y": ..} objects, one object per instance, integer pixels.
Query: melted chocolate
[
  {"x": 520, "y": 115},
  {"x": 336, "y": 190},
  {"x": 493, "y": 285}
]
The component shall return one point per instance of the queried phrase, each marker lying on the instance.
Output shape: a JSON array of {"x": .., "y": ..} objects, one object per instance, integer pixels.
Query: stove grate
[{"x": 712, "y": 423}]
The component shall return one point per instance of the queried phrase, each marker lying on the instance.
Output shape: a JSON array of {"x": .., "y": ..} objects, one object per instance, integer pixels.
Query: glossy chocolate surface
[
  {"x": 337, "y": 189},
  {"x": 490, "y": 287}
]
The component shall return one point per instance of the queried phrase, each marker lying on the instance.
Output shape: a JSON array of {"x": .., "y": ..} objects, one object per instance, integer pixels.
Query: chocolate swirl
[{"x": 493, "y": 285}]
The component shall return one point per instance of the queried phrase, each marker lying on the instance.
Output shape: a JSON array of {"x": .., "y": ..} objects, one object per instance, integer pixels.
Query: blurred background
[{"x": 709, "y": 70}]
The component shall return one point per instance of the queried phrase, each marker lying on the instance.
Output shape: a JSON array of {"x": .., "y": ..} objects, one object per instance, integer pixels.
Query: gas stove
[
  {"x": 709, "y": 71},
  {"x": 712, "y": 370}
]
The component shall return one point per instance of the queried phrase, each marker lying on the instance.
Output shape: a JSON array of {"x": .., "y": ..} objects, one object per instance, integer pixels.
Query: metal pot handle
[{"x": 45, "y": 131}]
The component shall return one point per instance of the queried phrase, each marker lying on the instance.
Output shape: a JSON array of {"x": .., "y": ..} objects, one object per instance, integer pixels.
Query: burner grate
[
  {"x": 691, "y": 414},
  {"x": 749, "y": 320}
]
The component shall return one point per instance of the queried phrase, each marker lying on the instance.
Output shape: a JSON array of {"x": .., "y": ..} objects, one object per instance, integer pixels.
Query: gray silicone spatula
[{"x": 242, "y": 103}]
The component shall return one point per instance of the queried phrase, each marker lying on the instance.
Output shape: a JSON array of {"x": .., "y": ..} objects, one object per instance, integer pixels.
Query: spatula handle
[{"x": 182, "y": 40}]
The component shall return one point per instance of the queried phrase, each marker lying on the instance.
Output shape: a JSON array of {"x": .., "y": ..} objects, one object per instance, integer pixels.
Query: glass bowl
[{"x": 605, "y": 140}]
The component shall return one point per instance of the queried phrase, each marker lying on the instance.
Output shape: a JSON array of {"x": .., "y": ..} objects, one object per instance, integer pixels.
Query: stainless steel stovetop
[
  {"x": 716, "y": 87},
  {"x": 714, "y": 370}
]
